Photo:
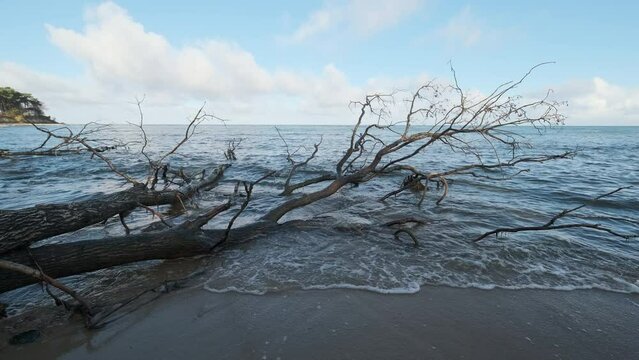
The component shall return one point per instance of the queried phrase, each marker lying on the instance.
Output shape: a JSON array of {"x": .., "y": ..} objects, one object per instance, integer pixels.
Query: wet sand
[{"x": 436, "y": 323}]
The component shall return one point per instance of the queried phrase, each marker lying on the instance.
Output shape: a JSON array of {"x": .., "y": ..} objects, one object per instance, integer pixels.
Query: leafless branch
[
  {"x": 155, "y": 213},
  {"x": 232, "y": 145},
  {"x": 64, "y": 141},
  {"x": 199, "y": 117},
  {"x": 248, "y": 188},
  {"x": 295, "y": 165},
  {"x": 38, "y": 274},
  {"x": 95, "y": 151},
  {"x": 456, "y": 122},
  {"x": 550, "y": 225},
  {"x": 407, "y": 232}
]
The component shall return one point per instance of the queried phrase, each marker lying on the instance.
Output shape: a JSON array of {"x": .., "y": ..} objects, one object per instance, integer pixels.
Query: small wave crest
[{"x": 366, "y": 259}]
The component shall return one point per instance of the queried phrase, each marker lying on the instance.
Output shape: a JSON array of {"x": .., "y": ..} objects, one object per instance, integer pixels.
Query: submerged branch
[
  {"x": 550, "y": 225},
  {"x": 39, "y": 275}
]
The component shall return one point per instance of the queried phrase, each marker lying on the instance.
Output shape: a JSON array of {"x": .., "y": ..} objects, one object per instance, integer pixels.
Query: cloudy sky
[{"x": 276, "y": 62}]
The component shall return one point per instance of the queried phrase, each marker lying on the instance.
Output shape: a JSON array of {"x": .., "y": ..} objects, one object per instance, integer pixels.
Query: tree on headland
[{"x": 18, "y": 107}]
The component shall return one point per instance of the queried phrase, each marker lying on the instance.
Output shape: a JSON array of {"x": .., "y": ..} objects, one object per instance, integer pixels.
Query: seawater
[{"x": 339, "y": 242}]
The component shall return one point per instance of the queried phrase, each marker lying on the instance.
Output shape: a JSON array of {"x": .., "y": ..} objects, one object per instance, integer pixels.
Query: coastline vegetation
[{"x": 21, "y": 108}]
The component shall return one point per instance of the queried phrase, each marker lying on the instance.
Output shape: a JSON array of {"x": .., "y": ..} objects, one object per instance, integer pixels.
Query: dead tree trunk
[
  {"x": 79, "y": 257},
  {"x": 19, "y": 228}
]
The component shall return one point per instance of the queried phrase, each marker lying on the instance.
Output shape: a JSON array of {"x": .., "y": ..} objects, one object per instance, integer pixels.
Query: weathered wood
[
  {"x": 19, "y": 228},
  {"x": 54, "y": 152},
  {"x": 79, "y": 257},
  {"x": 39, "y": 275},
  {"x": 275, "y": 214},
  {"x": 288, "y": 190}
]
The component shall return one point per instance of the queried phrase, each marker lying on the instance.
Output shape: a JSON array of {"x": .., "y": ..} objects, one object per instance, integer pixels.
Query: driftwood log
[
  {"x": 89, "y": 255},
  {"x": 19, "y": 228}
]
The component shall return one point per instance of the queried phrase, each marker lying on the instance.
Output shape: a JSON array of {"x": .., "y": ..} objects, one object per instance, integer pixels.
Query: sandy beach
[{"x": 436, "y": 323}]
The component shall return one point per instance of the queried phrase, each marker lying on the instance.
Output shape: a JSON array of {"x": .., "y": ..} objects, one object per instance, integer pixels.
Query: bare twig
[
  {"x": 97, "y": 152},
  {"x": 407, "y": 232},
  {"x": 550, "y": 225},
  {"x": 203, "y": 219},
  {"x": 155, "y": 213},
  {"x": 232, "y": 145},
  {"x": 295, "y": 165},
  {"x": 12, "y": 266},
  {"x": 248, "y": 188},
  {"x": 126, "y": 228}
]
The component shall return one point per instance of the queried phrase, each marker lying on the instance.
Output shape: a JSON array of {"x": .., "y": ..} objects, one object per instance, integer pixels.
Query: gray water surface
[{"x": 341, "y": 244}]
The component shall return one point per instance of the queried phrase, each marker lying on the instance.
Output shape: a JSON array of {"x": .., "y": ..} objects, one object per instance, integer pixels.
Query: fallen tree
[
  {"x": 20, "y": 228},
  {"x": 442, "y": 116}
]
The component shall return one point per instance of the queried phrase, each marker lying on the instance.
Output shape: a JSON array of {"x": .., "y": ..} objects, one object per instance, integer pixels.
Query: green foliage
[{"x": 20, "y": 107}]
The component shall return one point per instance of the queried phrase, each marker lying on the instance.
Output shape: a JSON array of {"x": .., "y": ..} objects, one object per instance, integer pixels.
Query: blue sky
[{"x": 301, "y": 62}]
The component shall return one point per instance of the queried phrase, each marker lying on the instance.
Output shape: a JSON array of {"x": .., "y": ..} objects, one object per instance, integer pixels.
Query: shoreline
[
  {"x": 437, "y": 322},
  {"x": 23, "y": 124},
  {"x": 349, "y": 126}
]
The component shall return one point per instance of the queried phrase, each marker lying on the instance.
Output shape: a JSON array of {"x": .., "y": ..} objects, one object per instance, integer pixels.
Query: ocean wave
[{"x": 344, "y": 245}]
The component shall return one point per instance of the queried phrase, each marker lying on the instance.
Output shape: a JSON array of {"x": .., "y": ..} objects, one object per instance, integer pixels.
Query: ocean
[{"x": 340, "y": 242}]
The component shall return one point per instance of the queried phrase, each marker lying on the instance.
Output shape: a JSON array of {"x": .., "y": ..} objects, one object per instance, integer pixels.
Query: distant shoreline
[
  {"x": 308, "y": 125},
  {"x": 29, "y": 124}
]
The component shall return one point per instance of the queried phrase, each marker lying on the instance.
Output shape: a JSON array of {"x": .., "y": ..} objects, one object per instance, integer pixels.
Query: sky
[{"x": 302, "y": 62}]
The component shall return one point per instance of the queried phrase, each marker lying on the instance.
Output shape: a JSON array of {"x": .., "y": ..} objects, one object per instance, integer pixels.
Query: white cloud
[
  {"x": 364, "y": 17},
  {"x": 463, "y": 28},
  {"x": 124, "y": 60},
  {"x": 318, "y": 22},
  {"x": 118, "y": 51},
  {"x": 81, "y": 100},
  {"x": 597, "y": 101},
  {"x": 370, "y": 16}
]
